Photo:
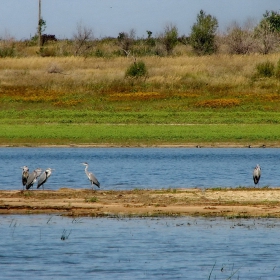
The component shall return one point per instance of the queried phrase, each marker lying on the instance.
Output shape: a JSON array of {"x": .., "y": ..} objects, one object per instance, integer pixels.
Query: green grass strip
[
  {"x": 137, "y": 134},
  {"x": 154, "y": 117}
]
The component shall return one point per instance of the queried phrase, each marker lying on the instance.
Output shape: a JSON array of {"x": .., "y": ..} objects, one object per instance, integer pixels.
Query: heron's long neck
[{"x": 86, "y": 169}]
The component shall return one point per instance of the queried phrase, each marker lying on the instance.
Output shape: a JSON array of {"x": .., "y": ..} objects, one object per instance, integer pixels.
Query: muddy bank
[
  {"x": 254, "y": 144},
  {"x": 230, "y": 203}
]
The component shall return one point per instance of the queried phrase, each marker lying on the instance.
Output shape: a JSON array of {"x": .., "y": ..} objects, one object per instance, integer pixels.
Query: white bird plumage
[
  {"x": 93, "y": 180},
  {"x": 257, "y": 174}
]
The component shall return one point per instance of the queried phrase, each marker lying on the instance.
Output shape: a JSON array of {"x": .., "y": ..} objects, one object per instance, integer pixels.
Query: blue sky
[{"x": 18, "y": 18}]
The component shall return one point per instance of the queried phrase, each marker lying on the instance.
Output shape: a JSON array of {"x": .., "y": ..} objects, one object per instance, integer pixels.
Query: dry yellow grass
[
  {"x": 217, "y": 70},
  {"x": 217, "y": 81}
]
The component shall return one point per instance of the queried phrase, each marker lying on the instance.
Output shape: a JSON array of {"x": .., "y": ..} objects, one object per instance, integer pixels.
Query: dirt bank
[{"x": 229, "y": 203}]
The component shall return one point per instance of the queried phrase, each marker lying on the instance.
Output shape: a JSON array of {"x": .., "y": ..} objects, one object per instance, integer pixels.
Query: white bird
[
  {"x": 25, "y": 174},
  {"x": 91, "y": 177},
  {"x": 44, "y": 177},
  {"x": 32, "y": 178},
  {"x": 257, "y": 174}
]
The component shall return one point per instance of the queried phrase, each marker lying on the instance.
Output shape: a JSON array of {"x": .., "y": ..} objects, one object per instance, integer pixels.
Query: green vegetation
[
  {"x": 136, "y": 70},
  {"x": 170, "y": 38},
  {"x": 136, "y": 134},
  {"x": 202, "y": 37},
  {"x": 91, "y": 199},
  {"x": 265, "y": 69},
  {"x": 184, "y": 100}
]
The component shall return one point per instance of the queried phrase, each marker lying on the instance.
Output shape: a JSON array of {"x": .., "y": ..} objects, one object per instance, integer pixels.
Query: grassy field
[
  {"x": 183, "y": 100},
  {"x": 138, "y": 135}
]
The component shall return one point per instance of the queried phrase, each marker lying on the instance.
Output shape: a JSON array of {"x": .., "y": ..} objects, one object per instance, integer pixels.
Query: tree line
[{"x": 204, "y": 39}]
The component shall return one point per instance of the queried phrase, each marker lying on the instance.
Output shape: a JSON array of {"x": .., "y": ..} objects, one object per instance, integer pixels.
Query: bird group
[{"x": 29, "y": 179}]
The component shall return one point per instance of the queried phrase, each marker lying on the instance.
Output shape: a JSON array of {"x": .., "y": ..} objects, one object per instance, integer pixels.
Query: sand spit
[{"x": 229, "y": 203}]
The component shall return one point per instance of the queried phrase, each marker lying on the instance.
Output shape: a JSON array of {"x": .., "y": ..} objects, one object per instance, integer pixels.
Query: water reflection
[
  {"x": 150, "y": 168},
  {"x": 181, "y": 248}
]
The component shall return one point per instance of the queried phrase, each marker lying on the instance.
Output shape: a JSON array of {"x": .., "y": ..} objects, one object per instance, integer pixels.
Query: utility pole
[{"x": 39, "y": 25}]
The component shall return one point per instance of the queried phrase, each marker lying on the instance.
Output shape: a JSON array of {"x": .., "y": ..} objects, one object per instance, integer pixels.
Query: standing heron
[
  {"x": 32, "y": 178},
  {"x": 90, "y": 176},
  {"x": 44, "y": 177},
  {"x": 257, "y": 174},
  {"x": 25, "y": 174}
]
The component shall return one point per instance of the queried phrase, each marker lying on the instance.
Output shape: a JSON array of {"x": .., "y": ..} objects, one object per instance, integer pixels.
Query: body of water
[
  {"x": 145, "y": 168},
  {"x": 53, "y": 247}
]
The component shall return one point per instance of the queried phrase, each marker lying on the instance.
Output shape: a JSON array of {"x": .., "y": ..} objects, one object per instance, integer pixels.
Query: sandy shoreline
[{"x": 229, "y": 203}]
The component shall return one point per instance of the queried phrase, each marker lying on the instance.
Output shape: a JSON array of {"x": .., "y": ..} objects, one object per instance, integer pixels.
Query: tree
[
  {"x": 202, "y": 37},
  {"x": 83, "y": 40},
  {"x": 267, "y": 33},
  {"x": 170, "y": 38},
  {"x": 274, "y": 20},
  {"x": 42, "y": 25},
  {"x": 150, "y": 40},
  {"x": 267, "y": 39},
  {"x": 240, "y": 40},
  {"x": 126, "y": 41}
]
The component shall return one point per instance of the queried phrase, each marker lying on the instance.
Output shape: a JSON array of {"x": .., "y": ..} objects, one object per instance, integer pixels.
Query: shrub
[
  {"x": 126, "y": 41},
  {"x": 240, "y": 40},
  {"x": 91, "y": 199},
  {"x": 7, "y": 47},
  {"x": 277, "y": 69},
  {"x": 170, "y": 38},
  {"x": 136, "y": 70},
  {"x": 99, "y": 53},
  {"x": 7, "y": 51},
  {"x": 265, "y": 69},
  {"x": 47, "y": 52}
]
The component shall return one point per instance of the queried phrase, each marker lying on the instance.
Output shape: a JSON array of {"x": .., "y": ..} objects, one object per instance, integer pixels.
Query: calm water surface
[
  {"x": 54, "y": 247},
  {"x": 149, "y": 168},
  {"x": 31, "y": 247}
]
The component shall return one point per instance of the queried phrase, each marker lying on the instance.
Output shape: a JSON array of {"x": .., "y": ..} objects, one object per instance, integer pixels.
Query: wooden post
[{"x": 39, "y": 25}]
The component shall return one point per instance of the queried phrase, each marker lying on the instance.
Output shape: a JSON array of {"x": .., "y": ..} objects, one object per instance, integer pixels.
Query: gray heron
[
  {"x": 32, "y": 178},
  {"x": 90, "y": 176},
  {"x": 44, "y": 177},
  {"x": 25, "y": 174},
  {"x": 257, "y": 174}
]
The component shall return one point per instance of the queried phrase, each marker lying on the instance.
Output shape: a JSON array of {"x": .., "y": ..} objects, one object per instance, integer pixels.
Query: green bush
[
  {"x": 265, "y": 69},
  {"x": 170, "y": 38},
  {"x": 277, "y": 69},
  {"x": 136, "y": 70},
  {"x": 99, "y": 53},
  {"x": 7, "y": 52}
]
